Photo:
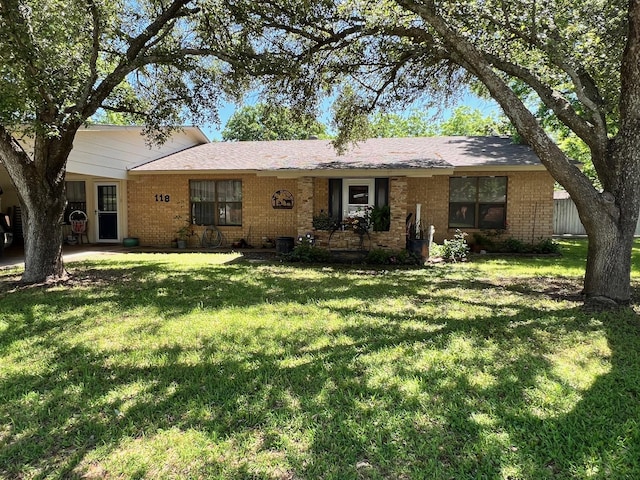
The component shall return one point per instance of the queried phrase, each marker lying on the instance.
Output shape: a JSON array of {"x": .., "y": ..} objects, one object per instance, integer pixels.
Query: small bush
[
  {"x": 455, "y": 250},
  {"x": 390, "y": 257},
  {"x": 307, "y": 253},
  {"x": 378, "y": 257},
  {"x": 323, "y": 221},
  {"x": 483, "y": 241},
  {"x": 381, "y": 218},
  {"x": 548, "y": 245},
  {"x": 513, "y": 245}
]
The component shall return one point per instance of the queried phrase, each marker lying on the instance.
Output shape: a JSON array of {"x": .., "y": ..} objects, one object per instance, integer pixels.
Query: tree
[
  {"x": 578, "y": 59},
  {"x": 63, "y": 61},
  {"x": 469, "y": 121},
  {"x": 265, "y": 122},
  {"x": 464, "y": 120},
  {"x": 393, "y": 125}
]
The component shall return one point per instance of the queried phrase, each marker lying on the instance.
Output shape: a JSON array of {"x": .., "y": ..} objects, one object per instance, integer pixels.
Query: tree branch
[
  {"x": 584, "y": 86},
  {"x": 131, "y": 59},
  {"x": 472, "y": 59}
]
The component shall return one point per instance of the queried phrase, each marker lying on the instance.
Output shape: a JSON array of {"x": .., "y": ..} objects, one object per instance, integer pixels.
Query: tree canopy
[
  {"x": 267, "y": 122},
  {"x": 154, "y": 62},
  {"x": 577, "y": 59},
  {"x": 463, "y": 120}
]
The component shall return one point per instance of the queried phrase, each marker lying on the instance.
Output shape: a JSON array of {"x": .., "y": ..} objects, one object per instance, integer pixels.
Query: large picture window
[
  {"x": 216, "y": 202},
  {"x": 478, "y": 202}
]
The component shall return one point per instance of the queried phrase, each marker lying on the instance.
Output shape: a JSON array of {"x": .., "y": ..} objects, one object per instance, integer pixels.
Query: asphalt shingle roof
[{"x": 378, "y": 153}]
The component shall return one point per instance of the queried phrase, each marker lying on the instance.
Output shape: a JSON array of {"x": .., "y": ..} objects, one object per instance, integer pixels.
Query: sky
[{"x": 214, "y": 132}]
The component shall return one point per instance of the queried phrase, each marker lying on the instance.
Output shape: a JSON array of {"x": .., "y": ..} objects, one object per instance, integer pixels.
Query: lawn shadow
[{"x": 388, "y": 394}]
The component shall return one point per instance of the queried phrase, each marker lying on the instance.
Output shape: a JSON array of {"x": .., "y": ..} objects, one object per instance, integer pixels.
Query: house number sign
[{"x": 161, "y": 197}]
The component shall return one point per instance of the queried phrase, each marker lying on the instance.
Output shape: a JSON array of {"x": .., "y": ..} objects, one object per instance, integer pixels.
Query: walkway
[{"x": 14, "y": 255}]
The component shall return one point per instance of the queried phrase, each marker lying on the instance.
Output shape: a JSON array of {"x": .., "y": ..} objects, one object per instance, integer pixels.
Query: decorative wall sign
[{"x": 282, "y": 199}]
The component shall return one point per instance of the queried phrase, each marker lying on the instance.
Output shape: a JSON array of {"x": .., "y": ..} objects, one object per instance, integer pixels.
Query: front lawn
[{"x": 207, "y": 366}]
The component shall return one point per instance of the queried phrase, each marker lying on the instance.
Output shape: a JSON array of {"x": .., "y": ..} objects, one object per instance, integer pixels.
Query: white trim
[{"x": 348, "y": 209}]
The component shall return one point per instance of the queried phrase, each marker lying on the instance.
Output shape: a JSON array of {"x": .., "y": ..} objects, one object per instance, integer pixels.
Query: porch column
[
  {"x": 398, "y": 207},
  {"x": 304, "y": 207}
]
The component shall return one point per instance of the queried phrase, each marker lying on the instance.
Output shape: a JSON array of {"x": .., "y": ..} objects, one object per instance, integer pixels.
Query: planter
[
  {"x": 284, "y": 245},
  {"x": 182, "y": 244},
  {"x": 419, "y": 247},
  {"x": 131, "y": 242}
]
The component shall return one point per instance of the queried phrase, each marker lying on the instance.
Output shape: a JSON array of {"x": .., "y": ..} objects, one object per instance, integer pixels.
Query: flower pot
[
  {"x": 182, "y": 244},
  {"x": 131, "y": 242}
]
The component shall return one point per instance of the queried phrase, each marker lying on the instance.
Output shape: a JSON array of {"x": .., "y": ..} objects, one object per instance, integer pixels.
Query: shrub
[
  {"x": 513, "y": 245},
  {"x": 483, "y": 241},
  {"x": 455, "y": 250},
  {"x": 548, "y": 245},
  {"x": 390, "y": 257},
  {"x": 323, "y": 221},
  {"x": 378, "y": 257},
  {"x": 381, "y": 218},
  {"x": 308, "y": 253}
]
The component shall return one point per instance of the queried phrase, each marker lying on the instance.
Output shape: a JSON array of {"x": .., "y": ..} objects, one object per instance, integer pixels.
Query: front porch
[{"x": 324, "y": 195}]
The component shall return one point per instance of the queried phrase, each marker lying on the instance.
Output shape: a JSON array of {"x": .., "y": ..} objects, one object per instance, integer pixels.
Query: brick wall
[
  {"x": 529, "y": 204},
  {"x": 155, "y": 221}
]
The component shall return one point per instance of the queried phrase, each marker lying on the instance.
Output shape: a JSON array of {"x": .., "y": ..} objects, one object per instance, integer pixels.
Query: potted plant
[
  {"x": 183, "y": 233},
  {"x": 359, "y": 221},
  {"x": 324, "y": 221},
  {"x": 381, "y": 218}
]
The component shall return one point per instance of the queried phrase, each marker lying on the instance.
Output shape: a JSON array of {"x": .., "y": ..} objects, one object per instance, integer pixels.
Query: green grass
[{"x": 208, "y": 366}]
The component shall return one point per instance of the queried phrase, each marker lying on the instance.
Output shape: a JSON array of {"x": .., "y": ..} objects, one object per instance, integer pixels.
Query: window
[
  {"x": 76, "y": 198},
  {"x": 477, "y": 202},
  {"x": 216, "y": 202}
]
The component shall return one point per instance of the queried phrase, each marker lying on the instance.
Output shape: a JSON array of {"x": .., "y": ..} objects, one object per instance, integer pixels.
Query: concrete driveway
[{"x": 14, "y": 256}]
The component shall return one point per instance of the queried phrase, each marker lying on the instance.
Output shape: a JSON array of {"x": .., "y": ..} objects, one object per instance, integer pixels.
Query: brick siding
[{"x": 155, "y": 221}]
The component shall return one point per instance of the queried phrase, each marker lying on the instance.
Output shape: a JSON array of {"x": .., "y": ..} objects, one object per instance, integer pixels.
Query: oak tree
[
  {"x": 61, "y": 61},
  {"x": 580, "y": 60}
]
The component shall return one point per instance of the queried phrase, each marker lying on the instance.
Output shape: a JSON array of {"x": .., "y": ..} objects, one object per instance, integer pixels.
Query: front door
[
  {"x": 357, "y": 194},
  {"x": 107, "y": 212}
]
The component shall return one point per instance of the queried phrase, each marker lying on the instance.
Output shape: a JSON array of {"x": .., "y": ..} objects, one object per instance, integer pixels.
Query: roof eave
[{"x": 299, "y": 173}]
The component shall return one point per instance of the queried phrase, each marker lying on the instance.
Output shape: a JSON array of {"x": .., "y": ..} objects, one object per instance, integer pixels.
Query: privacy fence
[{"x": 566, "y": 220}]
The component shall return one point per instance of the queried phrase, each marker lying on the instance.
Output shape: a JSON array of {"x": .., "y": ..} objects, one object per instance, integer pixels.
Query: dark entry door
[{"x": 107, "y": 212}]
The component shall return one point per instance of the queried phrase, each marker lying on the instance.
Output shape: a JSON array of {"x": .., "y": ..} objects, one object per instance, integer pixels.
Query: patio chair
[{"x": 79, "y": 220}]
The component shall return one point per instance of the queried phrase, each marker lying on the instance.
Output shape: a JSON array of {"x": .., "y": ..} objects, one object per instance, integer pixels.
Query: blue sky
[{"x": 487, "y": 107}]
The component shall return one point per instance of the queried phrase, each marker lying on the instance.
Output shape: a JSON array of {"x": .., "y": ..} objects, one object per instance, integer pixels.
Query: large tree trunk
[
  {"x": 42, "y": 223},
  {"x": 39, "y": 181},
  {"x": 611, "y": 220},
  {"x": 608, "y": 272}
]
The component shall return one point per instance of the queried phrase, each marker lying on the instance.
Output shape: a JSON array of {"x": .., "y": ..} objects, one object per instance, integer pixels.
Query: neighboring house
[
  {"x": 97, "y": 172},
  {"x": 565, "y": 216},
  {"x": 259, "y": 190}
]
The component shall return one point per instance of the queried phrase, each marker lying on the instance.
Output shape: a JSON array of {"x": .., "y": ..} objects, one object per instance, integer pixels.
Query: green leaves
[
  {"x": 265, "y": 122},
  {"x": 62, "y": 61}
]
